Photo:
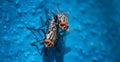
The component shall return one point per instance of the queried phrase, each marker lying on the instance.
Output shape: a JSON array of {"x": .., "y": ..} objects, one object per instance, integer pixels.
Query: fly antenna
[{"x": 58, "y": 10}]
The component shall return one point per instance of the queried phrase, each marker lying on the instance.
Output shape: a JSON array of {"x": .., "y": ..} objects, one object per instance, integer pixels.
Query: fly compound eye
[
  {"x": 67, "y": 26},
  {"x": 47, "y": 41},
  {"x": 62, "y": 24},
  {"x": 52, "y": 45}
]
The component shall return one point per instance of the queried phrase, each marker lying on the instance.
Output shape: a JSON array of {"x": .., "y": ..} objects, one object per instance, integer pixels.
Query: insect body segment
[
  {"x": 63, "y": 21},
  {"x": 51, "y": 34}
]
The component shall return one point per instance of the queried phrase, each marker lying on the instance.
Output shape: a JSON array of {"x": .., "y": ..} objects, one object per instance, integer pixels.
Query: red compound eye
[
  {"x": 67, "y": 26},
  {"x": 47, "y": 41},
  {"x": 52, "y": 45},
  {"x": 62, "y": 24}
]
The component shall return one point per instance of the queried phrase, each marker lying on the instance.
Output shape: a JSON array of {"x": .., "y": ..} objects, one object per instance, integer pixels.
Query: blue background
[{"x": 93, "y": 35}]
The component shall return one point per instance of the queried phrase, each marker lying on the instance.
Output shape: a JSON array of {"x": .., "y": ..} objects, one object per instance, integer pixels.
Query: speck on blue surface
[{"x": 93, "y": 36}]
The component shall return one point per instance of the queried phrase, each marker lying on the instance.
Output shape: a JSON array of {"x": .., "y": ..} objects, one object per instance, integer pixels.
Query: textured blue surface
[{"x": 93, "y": 36}]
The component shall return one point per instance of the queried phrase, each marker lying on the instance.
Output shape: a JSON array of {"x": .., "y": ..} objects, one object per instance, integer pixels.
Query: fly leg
[
  {"x": 37, "y": 30},
  {"x": 48, "y": 14},
  {"x": 60, "y": 37},
  {"x": 31, "y": 29},
  {"x": 34, "y": 44},
  {"x": 61, "y": 34},
  {"x": 44, "y": 50},
  {"x": 37, "y": 40},
  {"x": 57, "y": 48}
]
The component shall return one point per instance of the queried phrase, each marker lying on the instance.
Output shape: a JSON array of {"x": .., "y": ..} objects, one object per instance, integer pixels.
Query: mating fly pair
[
  {"x": 58, "y": 23},
  {"x": 59, "y": 20}
]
